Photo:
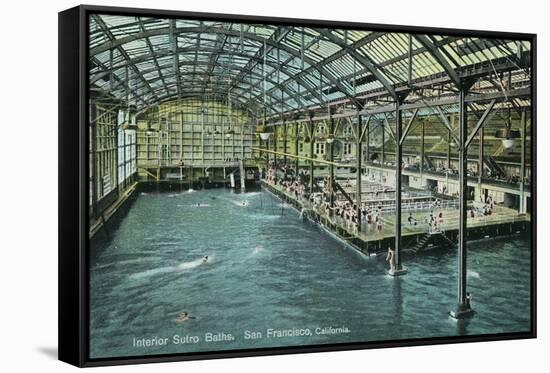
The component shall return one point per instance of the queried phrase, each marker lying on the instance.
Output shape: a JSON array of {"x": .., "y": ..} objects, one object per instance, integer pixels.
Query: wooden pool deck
[{"x": 503, "y": 221}]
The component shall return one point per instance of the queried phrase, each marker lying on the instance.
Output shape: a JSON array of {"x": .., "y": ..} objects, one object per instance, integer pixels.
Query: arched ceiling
[{"x": 144, "y": 61}]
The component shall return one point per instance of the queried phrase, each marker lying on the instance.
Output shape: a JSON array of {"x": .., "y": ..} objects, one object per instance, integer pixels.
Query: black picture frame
[{"x": 74, "y": 193}]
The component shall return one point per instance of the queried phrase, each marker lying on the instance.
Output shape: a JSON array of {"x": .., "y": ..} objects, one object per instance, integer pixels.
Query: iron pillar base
[{"x": 463, "y": 311}]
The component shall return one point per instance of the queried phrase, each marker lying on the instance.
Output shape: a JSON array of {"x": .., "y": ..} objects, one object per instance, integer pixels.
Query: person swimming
[{"x": 184, "y": 316}]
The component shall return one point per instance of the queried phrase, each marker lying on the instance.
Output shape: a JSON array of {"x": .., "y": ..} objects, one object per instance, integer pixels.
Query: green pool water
[{"x": 269, "y": 270}]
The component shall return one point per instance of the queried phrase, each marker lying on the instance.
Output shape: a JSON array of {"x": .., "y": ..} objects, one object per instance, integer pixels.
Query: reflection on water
[
  {"x": 268, "y": 269},
  {"x": 462, "y": 326}
]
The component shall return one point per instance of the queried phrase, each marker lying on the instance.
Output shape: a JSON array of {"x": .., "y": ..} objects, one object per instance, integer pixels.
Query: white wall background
[{"x": 28, "y": 184}]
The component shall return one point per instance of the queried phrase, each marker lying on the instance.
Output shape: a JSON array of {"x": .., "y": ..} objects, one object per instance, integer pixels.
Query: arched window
[
  {"x": 347, "y": 131},
  {"x": 321, "y": 129}
]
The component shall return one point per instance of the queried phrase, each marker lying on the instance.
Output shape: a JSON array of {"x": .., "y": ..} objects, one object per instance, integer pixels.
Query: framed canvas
[{"x": 234, "y": 186}]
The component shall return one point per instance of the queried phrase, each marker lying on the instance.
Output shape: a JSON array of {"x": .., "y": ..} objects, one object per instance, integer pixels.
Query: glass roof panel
[{"x": 210, "y": 53}]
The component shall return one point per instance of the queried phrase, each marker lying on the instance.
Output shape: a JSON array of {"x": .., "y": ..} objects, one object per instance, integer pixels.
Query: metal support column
[
  {"x": 242, "y": 142},
  {"x": 399, "y": 269},
  {"x": 202, "y": 133},
  {"x": 275, "y": 134},
  {"x": 115, "y": 160},
  {"x": 422, "y": 152},
  {"x": 159, "y": 152},
  {"x": 267, "y": 153},
  {"x": 311, "y": 142},
  {"x": 480, "y": 161},
  {"x": 223, "y": 141},
  {"x": 463, "y": 309},
  {"x": 449, "y": 139},
  {"x": 124, "y": 157},
  {"x": 368, "y": 147},
  {"x": 358, "y": 157},
  {"x": 284, "y": 140},
  {"x": 331, "y": 159},
  {"x": 522, "y": 204},
  {"x": 296, "y": 147},
  {"x": 181, "y": 138},
  {"x": 382, "y": 152},
  {"x": 265, "y": 118}
]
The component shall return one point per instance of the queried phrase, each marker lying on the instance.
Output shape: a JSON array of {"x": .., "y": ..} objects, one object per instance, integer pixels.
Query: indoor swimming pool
[{"x": 273, "y": 280}]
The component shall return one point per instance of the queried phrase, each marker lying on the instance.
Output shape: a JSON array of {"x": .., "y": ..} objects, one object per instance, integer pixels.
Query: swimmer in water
[
  {"x": 205, "y": 259},
  {"x": 184, "y": 316}
]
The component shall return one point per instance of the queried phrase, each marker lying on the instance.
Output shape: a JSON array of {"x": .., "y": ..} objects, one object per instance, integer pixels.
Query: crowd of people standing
[{"x": 366, "y": 218}]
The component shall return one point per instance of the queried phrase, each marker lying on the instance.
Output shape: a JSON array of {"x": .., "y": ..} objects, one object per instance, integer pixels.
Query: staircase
[
  {"x": 337, "y": 186},
  {"x": 428, "y": 162},
  {"x": 422, "y": 243},
  {"x": 495, "y": 168},
  {"x": 444, "y": 236}
]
